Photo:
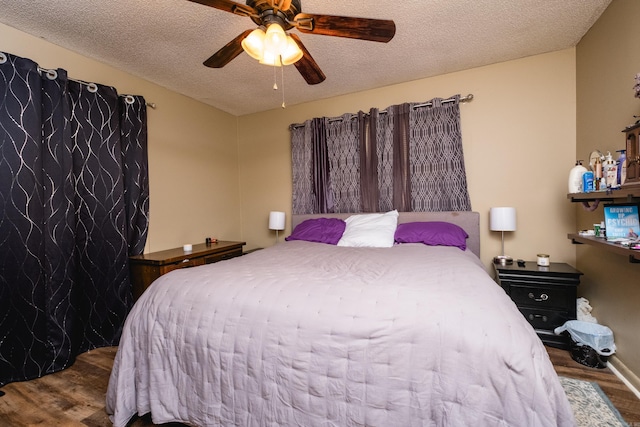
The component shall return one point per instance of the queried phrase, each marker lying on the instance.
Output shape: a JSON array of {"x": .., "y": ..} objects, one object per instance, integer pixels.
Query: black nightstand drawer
[
  {"x": 546, "y": 296},
  {"x": 557, "y": 297},
  {"x": 545, "y": 319}
]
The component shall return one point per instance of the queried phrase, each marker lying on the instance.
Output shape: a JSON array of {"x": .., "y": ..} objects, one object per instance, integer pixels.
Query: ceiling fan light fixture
[
  {"x": 275, "y": 39},
  {"x": 253, "y": 44},
  {"x": 292, "y": 52},
  {"x": 270, "y": 58},
  {"x": 273, "y": 47}
]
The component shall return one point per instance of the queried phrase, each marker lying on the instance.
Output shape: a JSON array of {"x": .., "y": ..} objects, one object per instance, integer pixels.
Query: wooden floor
[{"x": 75, "y": 396}]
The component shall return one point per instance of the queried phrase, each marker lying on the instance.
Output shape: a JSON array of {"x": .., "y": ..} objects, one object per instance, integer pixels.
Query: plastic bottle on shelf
[
  {"x": 610, "y": 171},
  {"x": 622, "y": 166},
  {"x": 575, "y": 177},
  {"x": 587, "y": 182}
]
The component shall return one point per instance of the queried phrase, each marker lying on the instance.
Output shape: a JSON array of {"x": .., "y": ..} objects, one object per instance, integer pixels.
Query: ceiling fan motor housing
[{"x": 268, "y": 14}]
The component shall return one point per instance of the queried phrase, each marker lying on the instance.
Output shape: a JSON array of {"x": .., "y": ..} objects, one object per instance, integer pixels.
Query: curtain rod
[
  {"x": 467, "y": 98},
  {"x": 91, "y": 87},
  {"x": 444, "y": 101}
]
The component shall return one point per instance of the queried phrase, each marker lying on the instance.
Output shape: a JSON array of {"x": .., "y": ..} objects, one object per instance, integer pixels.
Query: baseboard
[{"x": 630, "y": 379}]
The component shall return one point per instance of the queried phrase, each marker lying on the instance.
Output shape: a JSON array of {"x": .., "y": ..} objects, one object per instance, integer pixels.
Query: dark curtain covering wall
[
  {"x": 74, "y": 197},
  {"x": 408, "y": 157}
]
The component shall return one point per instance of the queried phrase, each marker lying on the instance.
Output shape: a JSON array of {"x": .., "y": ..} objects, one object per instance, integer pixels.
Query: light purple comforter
[{"x": 308, "y": 334}]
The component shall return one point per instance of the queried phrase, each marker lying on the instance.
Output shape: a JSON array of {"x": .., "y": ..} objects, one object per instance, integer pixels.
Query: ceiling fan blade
[
  {"x": 307, "y": 66},
  {"x": 228, "y": 52},
  {"x": 228, "y": 6},
  {"x": 284, "y": 5},
  {"x": 377, "y": 30}
]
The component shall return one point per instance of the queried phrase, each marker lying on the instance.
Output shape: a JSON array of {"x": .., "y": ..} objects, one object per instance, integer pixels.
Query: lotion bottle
[
  {"x": 622, "y": 166},
  {"x": 610, "y": 171},
  {"x": 575, "y": 177}
]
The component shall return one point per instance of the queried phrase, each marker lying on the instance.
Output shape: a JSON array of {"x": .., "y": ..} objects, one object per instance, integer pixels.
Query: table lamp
[
  {"x": 276, "y": 222},
  {"x": 502, "y": 219}
]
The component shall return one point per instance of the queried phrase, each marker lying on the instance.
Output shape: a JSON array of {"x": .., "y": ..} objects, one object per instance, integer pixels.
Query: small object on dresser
[
  {"x": 543, "y": 260},
  {"x": 187, "y": 248},
  {"x": 521, "y": 263}
]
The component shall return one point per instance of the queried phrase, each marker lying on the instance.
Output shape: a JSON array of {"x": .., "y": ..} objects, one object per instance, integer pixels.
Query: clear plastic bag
[{"x": 598, "y": 337}]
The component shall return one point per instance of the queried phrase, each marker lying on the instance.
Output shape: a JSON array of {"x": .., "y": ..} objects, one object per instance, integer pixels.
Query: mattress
[{"x": 310, "y": 334}]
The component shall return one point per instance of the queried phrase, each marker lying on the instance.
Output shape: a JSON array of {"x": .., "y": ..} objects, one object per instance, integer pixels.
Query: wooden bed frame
[{"x": 469, "y": 221}]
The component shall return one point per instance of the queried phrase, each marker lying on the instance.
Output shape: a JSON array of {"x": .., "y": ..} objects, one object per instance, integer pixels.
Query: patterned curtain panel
[
  {"x": 302, "y": 154},
  {"x": 344, "y": 163},
  {"x": 74, "y": 198},
  {"x": 408, "y": 157},
  {"x": 438, "y": 177}
]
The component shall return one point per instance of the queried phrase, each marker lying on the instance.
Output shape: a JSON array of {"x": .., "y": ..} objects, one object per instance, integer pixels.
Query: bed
[{"x": 313, "y": 334}]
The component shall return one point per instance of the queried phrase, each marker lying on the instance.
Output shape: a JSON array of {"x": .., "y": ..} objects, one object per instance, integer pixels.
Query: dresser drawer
[
  {"x": 185, "y": 263},
  {"x": 558, "y": 297},
  {"x": 222, "y": 256},
  {"x": 545, "y": 319}
]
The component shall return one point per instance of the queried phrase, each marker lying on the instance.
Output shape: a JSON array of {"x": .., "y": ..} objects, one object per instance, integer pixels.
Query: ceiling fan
[{"x": 287, "y": 14}]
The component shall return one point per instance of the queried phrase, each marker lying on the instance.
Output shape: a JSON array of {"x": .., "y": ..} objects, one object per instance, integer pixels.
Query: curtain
[
  {"x": 438, "y": 177},
  {"x": 408, "y": 157},
  {"x": 74, "y": 198}
]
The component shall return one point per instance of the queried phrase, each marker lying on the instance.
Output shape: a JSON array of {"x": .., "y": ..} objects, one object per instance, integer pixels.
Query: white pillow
[{"x": 370, "y": 230}]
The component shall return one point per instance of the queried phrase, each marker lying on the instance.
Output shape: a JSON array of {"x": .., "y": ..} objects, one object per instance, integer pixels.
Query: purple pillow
[
  {"x": 433, "y": 233},
  {"x": 321, "y": 230}
]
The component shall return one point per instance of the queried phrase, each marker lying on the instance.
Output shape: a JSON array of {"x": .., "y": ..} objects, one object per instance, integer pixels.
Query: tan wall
[
  {"x": 193, "y": 156},
  {"x": 607, "y": 60},
  {"x": 519, "y": 143}
]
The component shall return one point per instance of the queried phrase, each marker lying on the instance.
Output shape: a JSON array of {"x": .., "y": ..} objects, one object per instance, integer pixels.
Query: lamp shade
[
  {"x": 502, "y": 219},
  {"x": 253, "y": 44},
  {"x": 276, "y": 220}
]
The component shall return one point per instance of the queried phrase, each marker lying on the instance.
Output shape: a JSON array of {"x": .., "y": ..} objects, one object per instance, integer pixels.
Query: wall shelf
[
  {"x": 633, "y": 255},
  {"x": 629, "y": 193},
  {"x": 626, "y": 193}
]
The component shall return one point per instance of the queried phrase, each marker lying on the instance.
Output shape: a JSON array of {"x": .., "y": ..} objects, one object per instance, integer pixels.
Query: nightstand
[
  {"x": 146, "y": 268},
  {"x": 546, "y": 296}
]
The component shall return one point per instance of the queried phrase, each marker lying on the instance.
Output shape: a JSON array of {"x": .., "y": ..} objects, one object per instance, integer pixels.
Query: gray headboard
[{"x": 469, "y": 221}]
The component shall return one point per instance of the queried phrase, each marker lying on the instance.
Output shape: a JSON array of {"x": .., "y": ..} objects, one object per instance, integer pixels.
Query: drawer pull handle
[
  {"x": 538, "y": 316},
  {"x": 543, "y": 297},
  {"x": 185, "y": 260}
]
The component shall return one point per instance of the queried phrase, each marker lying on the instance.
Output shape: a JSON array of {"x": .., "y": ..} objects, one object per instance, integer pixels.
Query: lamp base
[{"x": 503, "y": 260}]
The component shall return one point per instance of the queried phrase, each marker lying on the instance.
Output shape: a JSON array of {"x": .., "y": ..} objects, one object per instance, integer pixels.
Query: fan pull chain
[
  {"x": 283, "y": 104},
  {"x": 275, "y": 83}
]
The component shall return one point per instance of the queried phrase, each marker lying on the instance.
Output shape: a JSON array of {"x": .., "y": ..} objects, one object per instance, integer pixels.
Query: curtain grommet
[
  {"x": 3, "y": 57},
  {"x": 51, "y": 74},
  {"x": 92, "y": 87},
  {"x": 129, "y": 99}
]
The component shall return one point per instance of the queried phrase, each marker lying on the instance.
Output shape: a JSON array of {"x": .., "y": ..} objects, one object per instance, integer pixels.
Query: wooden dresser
[{"x": 146, "y": 268}]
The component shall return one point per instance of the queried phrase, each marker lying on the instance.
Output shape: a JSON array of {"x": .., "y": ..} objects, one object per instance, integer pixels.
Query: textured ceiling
[{"x": 166, "y": 41}]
